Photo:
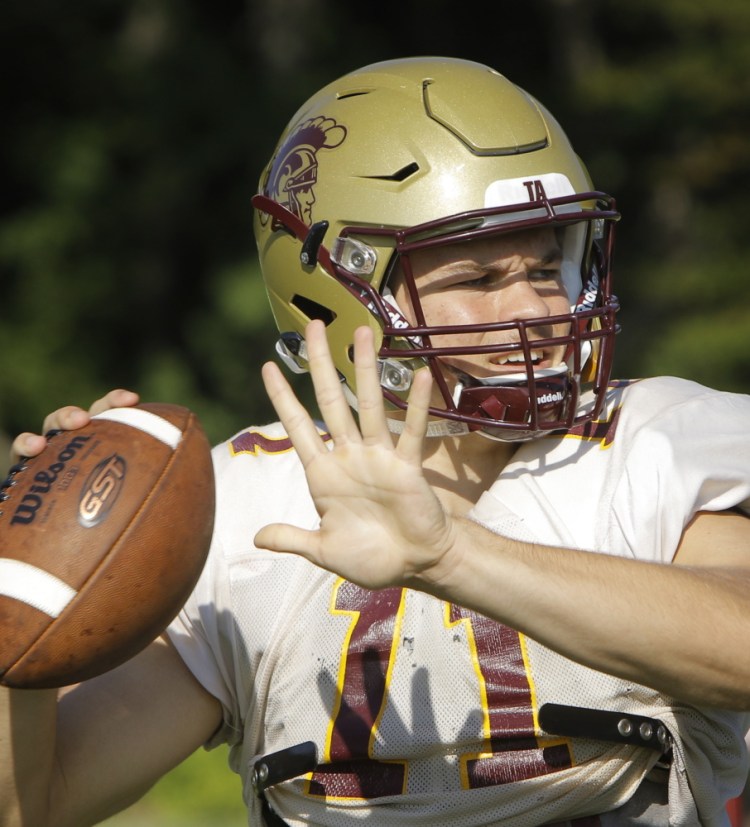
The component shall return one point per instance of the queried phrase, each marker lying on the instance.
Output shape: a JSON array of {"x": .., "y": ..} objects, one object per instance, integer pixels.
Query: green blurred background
[{"x": 134, "y": 132}]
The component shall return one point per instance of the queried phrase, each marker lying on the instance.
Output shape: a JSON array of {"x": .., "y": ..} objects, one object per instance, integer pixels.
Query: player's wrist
[{"x": 443, "y": 576}]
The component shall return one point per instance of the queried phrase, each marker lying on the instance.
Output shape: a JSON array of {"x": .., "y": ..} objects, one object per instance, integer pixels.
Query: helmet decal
[
  {"x": 294, "y": 171},
  {"x": 541, "y": 188}
]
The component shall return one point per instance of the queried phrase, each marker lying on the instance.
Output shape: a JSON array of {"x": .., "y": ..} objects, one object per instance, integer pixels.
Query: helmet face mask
[{"x": 363, "y": 200}]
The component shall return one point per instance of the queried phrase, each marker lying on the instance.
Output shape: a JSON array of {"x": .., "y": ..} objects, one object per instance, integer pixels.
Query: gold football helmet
[{"x": 409, "y": 154}]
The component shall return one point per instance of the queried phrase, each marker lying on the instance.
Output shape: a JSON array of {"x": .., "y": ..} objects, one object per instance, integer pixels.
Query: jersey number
[{"x": 511, "y": 751}]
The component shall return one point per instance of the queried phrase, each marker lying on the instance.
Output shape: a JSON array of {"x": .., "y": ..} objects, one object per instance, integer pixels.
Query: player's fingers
[
  {"x": 292, "y": 414},
  {"x": 67, "y": 418},
  {"x": 288, "y": 538},
  {"x": 372, "y": 421},
  {"x": 70, "y": 417},
  {"x": 118, "y": 398},
  {"x": 327, "y": 384},
  {"x": 411, "y": 440},
  {"x": 26, "y": 445}
]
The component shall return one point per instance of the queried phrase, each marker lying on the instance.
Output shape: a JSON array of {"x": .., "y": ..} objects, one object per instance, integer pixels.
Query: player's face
[{"x": 501, "y": 279}]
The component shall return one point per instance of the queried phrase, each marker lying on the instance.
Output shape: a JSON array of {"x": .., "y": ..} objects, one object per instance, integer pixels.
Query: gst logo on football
[
  {"x": 101, "y": 490},
  {"x": 32, "y": 501}
]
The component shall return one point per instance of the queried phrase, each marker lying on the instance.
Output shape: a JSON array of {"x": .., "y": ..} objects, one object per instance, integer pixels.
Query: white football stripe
[
  {"x": 146, "y": 421},
  {"x": 34, "y": 586}
]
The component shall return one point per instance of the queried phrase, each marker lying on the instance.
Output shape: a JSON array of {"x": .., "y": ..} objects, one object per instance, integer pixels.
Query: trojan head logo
[{"x": 294, "y": 171}]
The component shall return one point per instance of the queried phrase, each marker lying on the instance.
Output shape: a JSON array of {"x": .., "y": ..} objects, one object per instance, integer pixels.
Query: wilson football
[{"x": 102, "y": 538}]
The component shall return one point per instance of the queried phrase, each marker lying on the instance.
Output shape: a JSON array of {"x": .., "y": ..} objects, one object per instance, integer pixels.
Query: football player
[{"x": 493, "y": 586}]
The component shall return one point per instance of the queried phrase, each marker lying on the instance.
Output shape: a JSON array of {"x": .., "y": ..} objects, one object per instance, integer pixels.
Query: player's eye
[
  {"x": 478, "y": 281},
  {"x": 545, "y": 274}
]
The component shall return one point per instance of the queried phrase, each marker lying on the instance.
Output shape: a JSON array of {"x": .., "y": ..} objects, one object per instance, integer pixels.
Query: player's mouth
[
  {"x": 508, "y": 371},
  {"x": 537, "y": 357},
  {"x": 515, "y": 362}
]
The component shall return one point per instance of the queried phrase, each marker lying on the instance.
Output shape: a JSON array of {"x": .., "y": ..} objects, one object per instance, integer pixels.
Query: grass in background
[{"x": 201, "y": 792}]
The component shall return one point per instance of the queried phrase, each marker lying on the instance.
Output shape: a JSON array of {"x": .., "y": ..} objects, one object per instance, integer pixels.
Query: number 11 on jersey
[{"x": 510, "y": 749}]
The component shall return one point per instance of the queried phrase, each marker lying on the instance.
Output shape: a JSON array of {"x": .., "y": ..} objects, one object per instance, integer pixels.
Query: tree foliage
[{"x": 135, "y": 131}]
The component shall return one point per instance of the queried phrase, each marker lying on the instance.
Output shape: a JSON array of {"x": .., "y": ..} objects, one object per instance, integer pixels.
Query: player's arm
[
  {"x": 77, "y": 756},
  {"x": 681, "y": 628},
  {"x": 79, "y": 760}
]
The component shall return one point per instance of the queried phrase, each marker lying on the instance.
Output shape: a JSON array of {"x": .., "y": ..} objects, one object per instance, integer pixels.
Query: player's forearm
[
  {"x": 27, "y": 749},
  {"x": 680, "y": 630}
]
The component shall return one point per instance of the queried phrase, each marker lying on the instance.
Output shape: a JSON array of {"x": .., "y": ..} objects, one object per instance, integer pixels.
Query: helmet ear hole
[{"x": 313, "y": 310}]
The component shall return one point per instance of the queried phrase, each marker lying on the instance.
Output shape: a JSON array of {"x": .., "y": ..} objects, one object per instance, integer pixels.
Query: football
[{"x": 102, "y": 538}]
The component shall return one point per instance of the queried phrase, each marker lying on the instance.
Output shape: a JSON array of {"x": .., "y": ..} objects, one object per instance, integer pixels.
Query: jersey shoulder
[
  {"x": 630, "y": 480},
  {"x": 680, "y": 408}
]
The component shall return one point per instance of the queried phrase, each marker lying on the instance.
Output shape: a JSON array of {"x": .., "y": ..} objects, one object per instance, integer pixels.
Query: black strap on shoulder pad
[{"x": 601, "y": 725}]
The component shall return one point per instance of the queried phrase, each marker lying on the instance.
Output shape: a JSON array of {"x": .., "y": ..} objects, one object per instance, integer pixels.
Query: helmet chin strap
[
  {"x": 436, "y": 428},
  {"x": 439, "y": 428},
  {"x": 448, "y": 427}
]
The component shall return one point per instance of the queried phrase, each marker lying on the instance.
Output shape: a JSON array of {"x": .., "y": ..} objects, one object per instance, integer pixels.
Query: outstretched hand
[{"x": 381, "y": 522}]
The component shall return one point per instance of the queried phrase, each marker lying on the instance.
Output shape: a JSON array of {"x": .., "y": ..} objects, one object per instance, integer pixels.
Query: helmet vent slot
[
  {"x": 355, "y": 93},
  {"x": 400, "y": 175},
  {"x": 313, "y": 310}
]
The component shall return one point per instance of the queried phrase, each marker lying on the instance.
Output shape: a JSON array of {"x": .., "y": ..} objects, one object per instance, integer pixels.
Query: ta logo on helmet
[
  {"x": 535, "y": 189},
  {"x": 294, "y": 170}
]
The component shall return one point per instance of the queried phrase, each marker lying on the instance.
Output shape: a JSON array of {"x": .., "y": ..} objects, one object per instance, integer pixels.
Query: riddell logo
[
  {"x": 397, "y": 320},
  {"x": 101, "y": 490},
  {"x": 588, "y": 299},
  {"x": 550, "y": 397}
]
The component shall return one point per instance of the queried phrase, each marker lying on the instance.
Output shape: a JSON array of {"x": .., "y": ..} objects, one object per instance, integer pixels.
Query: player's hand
[
  {"x": 381, "y": 522},
  {"x": 68, "y": 418}
]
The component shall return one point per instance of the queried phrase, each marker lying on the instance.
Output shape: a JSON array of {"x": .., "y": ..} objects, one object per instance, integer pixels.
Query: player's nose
[{"x": 519, "y": 300}]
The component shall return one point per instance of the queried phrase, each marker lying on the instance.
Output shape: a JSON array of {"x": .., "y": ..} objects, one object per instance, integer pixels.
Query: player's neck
[{"x": 462, "y": 468}]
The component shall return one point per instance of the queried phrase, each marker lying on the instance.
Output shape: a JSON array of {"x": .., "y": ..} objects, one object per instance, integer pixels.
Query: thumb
[{"x": 288, "y": 538}]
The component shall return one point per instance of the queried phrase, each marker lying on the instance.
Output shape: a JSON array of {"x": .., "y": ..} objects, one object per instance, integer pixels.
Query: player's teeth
[{"x": 519, "y": 357}]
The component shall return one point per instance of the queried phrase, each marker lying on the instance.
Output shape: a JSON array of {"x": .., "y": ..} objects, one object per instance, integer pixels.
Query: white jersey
[{"x": 424, "y": 713}]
